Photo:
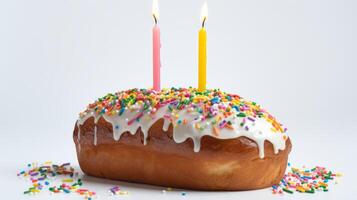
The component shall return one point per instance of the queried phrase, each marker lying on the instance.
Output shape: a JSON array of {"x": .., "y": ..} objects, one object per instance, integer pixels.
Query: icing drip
[
  {"x": 95, "y": 134},
  {"x": 79, "y": 131},
  {"x": 78, "y": 136},
  {"x": 81, "y": 121},
  {"x": 187, "y": 123},
  {"x": 166, "y": 125},
  {"x": 259, "y": 131}
]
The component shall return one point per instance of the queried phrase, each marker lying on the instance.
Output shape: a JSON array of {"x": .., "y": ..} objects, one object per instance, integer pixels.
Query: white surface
[
  {"x": 294, "y": 57},
  {"x": 309, "y": 148}
]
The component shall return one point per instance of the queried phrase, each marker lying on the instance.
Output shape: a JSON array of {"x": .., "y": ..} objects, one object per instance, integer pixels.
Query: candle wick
[
  {"x": 203, "y": 22},
  {"x": 155, "y": 18}
]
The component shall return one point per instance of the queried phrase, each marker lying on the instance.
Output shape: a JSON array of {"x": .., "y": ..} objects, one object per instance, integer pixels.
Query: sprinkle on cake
[{"x": 212, "y": 104}]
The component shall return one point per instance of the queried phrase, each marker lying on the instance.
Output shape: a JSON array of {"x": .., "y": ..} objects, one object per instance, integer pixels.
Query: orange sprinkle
[
  {"x": 215, "y": 131},
  {"x": 229, "y": 126}
]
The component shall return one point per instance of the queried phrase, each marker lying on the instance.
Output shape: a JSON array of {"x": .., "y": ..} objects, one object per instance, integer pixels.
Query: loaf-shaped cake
[{"x": 183, "y": 138}]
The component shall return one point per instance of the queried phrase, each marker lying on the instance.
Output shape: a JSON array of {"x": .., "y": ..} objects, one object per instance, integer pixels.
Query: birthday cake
[{"x": 180, "y": 137}]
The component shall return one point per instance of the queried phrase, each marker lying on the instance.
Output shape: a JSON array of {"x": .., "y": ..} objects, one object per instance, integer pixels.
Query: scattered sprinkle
[
  {"x": 305, "y": 180},
  {"x": 42, "y": 176},
  {"x": 115, "y": 190}
]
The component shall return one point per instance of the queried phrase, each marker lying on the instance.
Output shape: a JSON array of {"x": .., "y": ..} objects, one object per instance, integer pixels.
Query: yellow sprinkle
[
  {"x": 338, "y": 174},
  {"x": 273, "y": 129},
  {"x": 67, "y": 180},
  {"x": 123, "y": 192},
  {"x": 323, "y": 184},
  {"x": 291, "y": 183},
  {"x": 300, "y": 189}
]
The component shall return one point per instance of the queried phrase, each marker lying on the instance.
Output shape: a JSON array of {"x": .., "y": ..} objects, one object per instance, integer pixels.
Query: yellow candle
[{"x": 202, "y": 55}]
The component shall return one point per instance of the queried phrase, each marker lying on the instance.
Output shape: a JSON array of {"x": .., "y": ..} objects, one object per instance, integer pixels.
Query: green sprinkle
[
  {"x": 287, "y": 191},
  {"x": 241, "y": 115}
]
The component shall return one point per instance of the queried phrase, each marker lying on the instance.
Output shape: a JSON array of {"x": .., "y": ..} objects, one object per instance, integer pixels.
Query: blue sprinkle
[
  {"x": 116, "y": 126},
  {"x": 236, "y": 108},
  {"x": 183, "y": 193},
  {"x": 47, "y": 183},
  {"x": 215, "y": 100},
  {"x": 121, "y": 111}
]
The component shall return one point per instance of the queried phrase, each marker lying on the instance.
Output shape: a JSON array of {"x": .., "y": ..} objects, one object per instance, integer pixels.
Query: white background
[{"x": 297, "y": 58}]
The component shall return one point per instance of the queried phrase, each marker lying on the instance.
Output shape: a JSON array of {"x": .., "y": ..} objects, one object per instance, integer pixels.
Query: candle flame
[
  {"x": 155, "y": 10},
  {"x": 204, "y": 13}
]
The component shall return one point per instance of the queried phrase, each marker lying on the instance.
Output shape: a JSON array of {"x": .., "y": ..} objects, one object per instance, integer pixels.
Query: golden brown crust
[{"x": 230, "y": 164}]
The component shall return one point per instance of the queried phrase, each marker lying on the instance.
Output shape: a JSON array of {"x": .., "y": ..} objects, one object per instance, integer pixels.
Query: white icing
[
  {"x": 257, "y": 130},
  {"x": 166, "y": 125},
  {"x": 79, "y": 132},
  {"x": 95, "y": 134},
  {"x": 78, "y": 136},
  {"x": 81, "y": 121}
]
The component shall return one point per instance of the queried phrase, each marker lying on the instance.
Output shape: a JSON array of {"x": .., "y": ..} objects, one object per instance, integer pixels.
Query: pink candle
[
  {"x": 156, "y": 48},
  {"x": 156, "y": 56}
]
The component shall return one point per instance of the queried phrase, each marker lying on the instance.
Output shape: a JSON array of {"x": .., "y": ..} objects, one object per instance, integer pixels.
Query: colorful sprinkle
[
  {"x": 115, "y": 190},
  {"x": 213, "y": 107},
  {"x": 41, "y": 176},
  {"x": 305, "y": 180}
]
